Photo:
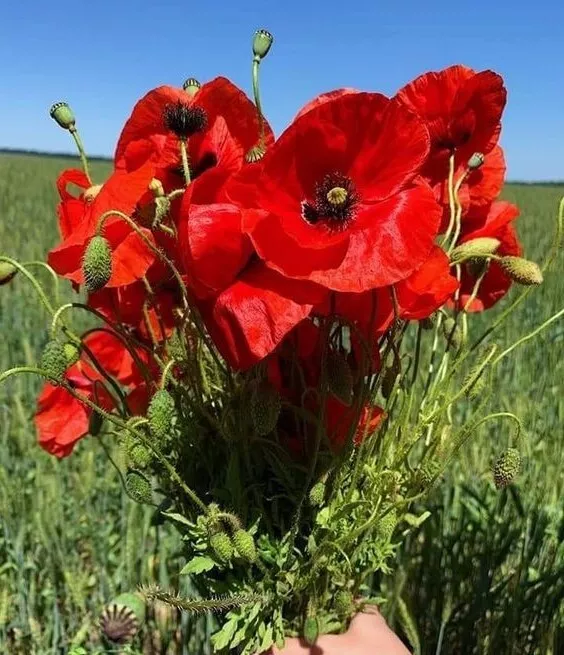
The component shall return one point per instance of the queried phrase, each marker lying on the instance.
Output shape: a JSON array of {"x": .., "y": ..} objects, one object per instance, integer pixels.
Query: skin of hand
[{"x": 368, "y": 634}]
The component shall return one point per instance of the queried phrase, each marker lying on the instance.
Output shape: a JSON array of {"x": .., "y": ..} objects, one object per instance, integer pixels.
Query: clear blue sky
[{"x": 102, "y": 55}]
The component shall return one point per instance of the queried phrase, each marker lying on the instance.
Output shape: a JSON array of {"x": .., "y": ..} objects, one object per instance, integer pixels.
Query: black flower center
[
  {"x": 184, "y": 120},
  {"x": 334, "y": 204}
]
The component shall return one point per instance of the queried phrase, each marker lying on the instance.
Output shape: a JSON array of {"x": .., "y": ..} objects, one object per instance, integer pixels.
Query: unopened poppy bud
[
  {"x": 97, "y": 264},
  {"x": 256, "y": 153},
  {"x": 54, "y": 360},
  {"x": 317, "y": 494},
  {"x": 521, "y": 270},
  {"x": 265, "y": 408},
  {"x": 7, "y": 272},
  {"x": 344, "y": 603},
  {"x": 91, "y": 193},
  {"x": 476, "y": 161},
  {"x": 140, "y": 457},
  {"x": 262, "y": 42},
  {"x": 72, "y": 353},
  {"x": 339, "y": 377},
  {"x": 222, "y": 546},
  {"x": 120, "y": 619},
  {"x": 481, "y": 247},
  {"x": 311, "y": 630},
  {"x": 138, "y": 487},
  {"x": 161, "y": 414},
  {"x": 453, "y": 333},
  {"x": 63, "y": 115},
  {"x": 507, "y": 468},
  {"x": 245, "y": 545},
  {"x": 191, "y": 86}
]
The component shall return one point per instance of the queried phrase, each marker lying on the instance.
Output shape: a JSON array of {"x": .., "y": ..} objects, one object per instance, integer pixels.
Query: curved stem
[
  {"x": 256, "y": 93},
  {"x": 81, "y": 152},
  {"x": 51, "y": 273},
  {"x": 32, "y": 279}
]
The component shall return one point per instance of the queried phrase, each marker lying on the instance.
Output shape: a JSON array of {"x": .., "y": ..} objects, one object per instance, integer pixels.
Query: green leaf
[
  {"x": 198, "y": 564},
  {"x": 267, "y": 639},
  {"x": 173, "y": 516},
  {"x": 416, "y": 521},
  {"x": 221, "y": 639}
]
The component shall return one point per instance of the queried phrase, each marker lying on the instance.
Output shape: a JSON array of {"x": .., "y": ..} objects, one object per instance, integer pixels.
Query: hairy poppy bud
[
  {"x": 475, "y": 248},
  {"x": 191, "y": 86},
  {"x": 344, "y": 603},
  {"x": 521, "y": 270},
  {"x": 97, "y": 264},
  {"x": 138, "y": 487},
  {"x": 507, "y": 468},
  {"x": 311, "y": 630},
  {"x": 54, "y": 360},
  {"x": 63, "y": 115},
  {"x": 72, "y": 353},
  {"x": 140, "y": 457},
  {"x": 387, "y": 525},
  {"x": 161, "y": 414},
  {"x": 452, "y": 333},
  {"x": 120, "y": 619},
  {"x": 339, "y": 377},
  {"x": 317, "y": 494},
  {"x": 245, "y": 545},
  {"x": 262, "y": 42},
  {"x": 265, "y": 407},
  {"x": 476, "y": 161},
  {"x": 7, "y": 272},
  {"x": 256, "y": 153},
  {"x": 221, "y": 546}
]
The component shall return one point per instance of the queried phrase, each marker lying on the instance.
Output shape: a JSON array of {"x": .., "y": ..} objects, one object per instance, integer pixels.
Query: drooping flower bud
[
  {"x": 452, "y": 333},
  {"x": 191, "y": 86},
  {"x": 344, "y": 603},
  {"x": 120, "y": 619},
  {"x": 138, "y": 487},
  {"x": 139, "y": 456},
  {"x": 265, "y": 407},
  {"x": 521, "y": 270},
  {"x": 7, "y": 272},
  {"x": 507, "y": 468},
  {"x": 245, "y": 545},
  {"x": 97, "y": 264},
  {"x": 262, "y": 42},
  {"x": 63, "y": 115},
  {"x": 339, "y": 376},
  {"x": 317, "y": 494},
  {"x": 72, "y": 353},
  {"x": 161, "y": 414},
  {"x": 221, "y": 546},
  {"x": 476, "y": 161},
  {"x": 54, "y": 360},
  {"x": 475, "y": 248}
]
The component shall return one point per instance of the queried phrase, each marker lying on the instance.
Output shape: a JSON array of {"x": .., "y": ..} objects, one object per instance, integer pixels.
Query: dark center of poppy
[
  {"x": 335, "y": 202},
  {"x": 184, "y": 120}
]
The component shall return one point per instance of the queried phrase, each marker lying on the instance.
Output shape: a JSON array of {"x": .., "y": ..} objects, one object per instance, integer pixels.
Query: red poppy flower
[
  {"x": 131, "y": 257},
  {"x": 339, "y": 419},
  {"x": 250, "y": 318},
  {"x": 341, "y": 205},
  {"x": 496, "y": 222},
  {"x": 462, "y": 110},
  {"x": 71, "y": 209},
  {"x": 323, "y": 98}
]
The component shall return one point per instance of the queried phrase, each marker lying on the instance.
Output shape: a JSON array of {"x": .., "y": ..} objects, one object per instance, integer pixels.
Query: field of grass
[{"x": 484, "y": 575}]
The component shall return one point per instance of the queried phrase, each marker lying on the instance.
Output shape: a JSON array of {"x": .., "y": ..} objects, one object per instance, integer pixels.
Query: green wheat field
[{"x": 484, "y": 574}]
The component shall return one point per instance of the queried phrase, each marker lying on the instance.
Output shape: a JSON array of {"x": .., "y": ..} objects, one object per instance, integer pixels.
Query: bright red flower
[
  {"x": 462, "y": 110},
  {"x": 495, "y": 222},
  {"x": 341, "y": 203},
  {"x": 71, "y": 209},
  {"x": 323, "y": 98},
  {"x": 339, "y": 420}
]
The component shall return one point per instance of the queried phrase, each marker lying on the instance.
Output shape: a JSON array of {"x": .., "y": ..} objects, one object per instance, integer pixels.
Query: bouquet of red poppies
[{"x": 282, "y": 329}]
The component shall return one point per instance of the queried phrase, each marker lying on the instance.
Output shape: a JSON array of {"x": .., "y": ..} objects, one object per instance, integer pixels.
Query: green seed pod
[
  {"x": 138, "y": 487},
  {"x": 256, "y": 153},
  {"x": 262, "y": 42},
  {"x": 339, "y": 377},
  {"x": 344, "y": 603},
  {"x": 317, "y": 494},
  {"x": 54, "y": 360},
  {"x": 476, "y": 161},
  {"x": 161, "y": 413},
  {"x": 311, "y": 630},
  {"x": 521, "y": 270},
  {"x": 62, "y": 114},
  {"x": 265, "y": 407},
  {"x": 507, "y": 468},
  {"x": 7, "y": 272},
  {"x": 475, "y": 248},
  {"x": 120, "y": 619},
  {"x": 452, "y": 333},
  {"x": 72, "y": 353},
  {"x": 387, "y": 525},
  {"x": 245, "y": 545},
  {"x": 221, "y": 546},
  {"x": 191, "y": 86},
  {"x": 97, "y": 264}
]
